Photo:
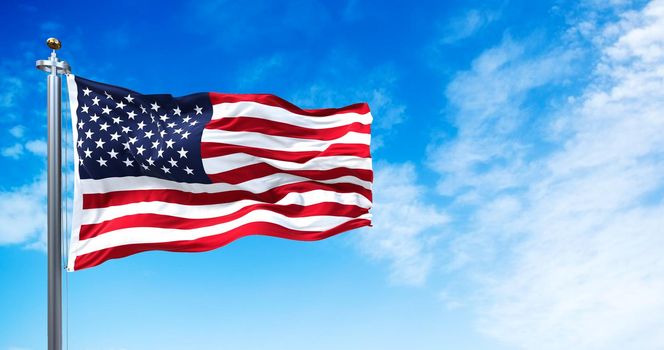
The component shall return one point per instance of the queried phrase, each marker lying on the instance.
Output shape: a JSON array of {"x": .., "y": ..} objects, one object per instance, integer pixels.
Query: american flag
[{"x": 194, "y": 173}]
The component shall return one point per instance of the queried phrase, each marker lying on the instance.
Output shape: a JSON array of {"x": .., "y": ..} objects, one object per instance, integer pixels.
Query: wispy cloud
[
  {"x": 14, "y": 151},
  {"x": 402, "y": 219},
  {"x": 17, "y": 131},
  {"x": 12, "y": 87},
  {"x": 466, "y": 24},
  {"x": 572, "y": 205},
  {"x": 491, "y": 103},
  {"x": 37, "y": 147},
  {"x": 23, "y": 213}
]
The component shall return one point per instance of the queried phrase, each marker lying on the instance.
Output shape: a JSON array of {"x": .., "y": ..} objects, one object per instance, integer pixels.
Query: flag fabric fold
[{"x": 194, "y": 173}]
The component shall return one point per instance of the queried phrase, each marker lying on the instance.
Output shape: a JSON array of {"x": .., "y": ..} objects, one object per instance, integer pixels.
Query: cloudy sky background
[{"x": 518, "y": 152}]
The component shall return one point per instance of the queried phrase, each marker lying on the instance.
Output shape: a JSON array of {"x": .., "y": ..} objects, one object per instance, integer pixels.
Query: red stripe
[
  {"x": 255, "y": 171},
  {"x": 273, "y": 128},
  {"x": 176, "y": 222},
  {"x": 272, "y": 100},
  {"x": 212, "y": 242},
  {"x": 211, "y": 149},
  {"x": 102, "y": 200}
]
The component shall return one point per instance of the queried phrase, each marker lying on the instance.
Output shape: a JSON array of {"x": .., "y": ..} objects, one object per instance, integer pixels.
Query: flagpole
[{"x": 55, "y": 67}]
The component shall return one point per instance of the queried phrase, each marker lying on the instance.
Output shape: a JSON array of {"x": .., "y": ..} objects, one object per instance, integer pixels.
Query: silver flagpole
[{"x": 55, "y": 67}]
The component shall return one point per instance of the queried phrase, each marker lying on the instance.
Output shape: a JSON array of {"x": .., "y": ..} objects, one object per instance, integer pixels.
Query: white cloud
[
  {"x": 467, "y": 24},
  {"x": 18, "y": 131},
  {"x": 402, "y": 218},
  {"x": 566, "y": 216},
  {"x": 490, "y": 102},
  {"x": 37, "y": 147},
  {"x": 12, "y": 87},
  {"x": 14, "y": 151},
  {"x": 23, "y": 213}
]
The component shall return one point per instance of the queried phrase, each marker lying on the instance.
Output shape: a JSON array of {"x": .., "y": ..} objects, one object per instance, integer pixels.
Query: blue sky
[{"x": 518, "y": 153}]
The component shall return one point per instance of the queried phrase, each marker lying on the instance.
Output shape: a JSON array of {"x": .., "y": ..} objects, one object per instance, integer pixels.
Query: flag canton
[{"x": 124, "y": 133}]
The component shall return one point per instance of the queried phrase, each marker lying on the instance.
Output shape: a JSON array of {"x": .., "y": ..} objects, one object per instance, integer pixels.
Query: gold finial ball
[{"x": 53, "y": 43}]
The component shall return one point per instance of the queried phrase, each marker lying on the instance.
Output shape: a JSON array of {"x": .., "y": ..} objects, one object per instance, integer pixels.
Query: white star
[
  {"x": 185, "y": 135},
  {"x": 120, "y": 105},
  {"x": 152, "y": 118},
  {"x": 166, "y": 170},
  {"x": 149, "y": 134},
  {"x": 163, "y": 117},
  {"x": 116, "y": 120},
  {"x": 199, "y": 110},
  {"x": 86, "y": 91},
  {"x": 177, "y": 131},
  {"x": 133, "y": 140},
  {"x": 171, "y": 125},
  {"x": 169, "y": 143},
  {"x": 182, "y": 152},
  {"x": 144, "y": 166},
  {"x": 160, "y": 153},
  {"x": 80, "y": 124},
  {"x": 140, "y": 150},
  {"x": 141, "y": 125},
  {"x": 174, "y": 163},
  {"x": 129, "y": 98},
  {"x": 101, "y": 161},
  {"x": 100, "y": 143},
  {"x": 95, "y": 101},
  {"x": 88, "y": 134},
  {"x": 105, "y": 110},
  {"x": 162, "y": 133},
  {"x": 126, "y": 129},
  {"x": 104, "y": 126},
  {"x": 193, "y": 123},
  {"x": 126, "y": 145},
  {"x": 143, "y": 109},
  {"x": 88, "y": 153},
  {"x": 189, "y": 171},
  {"x": 94, "y": 117},
  {"x": 128, "y": 162},
  {"x": 80, "y": 161},
  {"x": 113, "y": 154},
  {"x": 80, "y": 143},
  {"x": 155, "y": 106},
  {"x": 84, "y": 108},
  {"x": 108, "y": 96},
  {"x": 176, "y": 110},
  {"x": 149, "y": 160},
  {"x": 131, "y": 114},
  {"x": 115, "y": 136},
  {"x": 155, "y": 144},
  {"x": 186, "y": 119}
]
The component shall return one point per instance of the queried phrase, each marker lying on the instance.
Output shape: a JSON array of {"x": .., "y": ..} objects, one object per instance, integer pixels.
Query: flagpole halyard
[{"x": 55, "y": 67}]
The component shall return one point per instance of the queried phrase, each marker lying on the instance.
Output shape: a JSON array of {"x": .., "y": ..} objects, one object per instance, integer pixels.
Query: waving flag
[{"x": 193, "y": 173}]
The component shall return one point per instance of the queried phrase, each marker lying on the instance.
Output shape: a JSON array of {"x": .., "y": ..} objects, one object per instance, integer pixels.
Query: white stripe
[
  {"x": 278, "y": 114},
  {"x": 260, "y": 185},
  {"x": 158, "y": 235},
  {"x": 279, "y": 143},
  {"x": 94, "y": 216},
  {"x": 233, "y": 161}
]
